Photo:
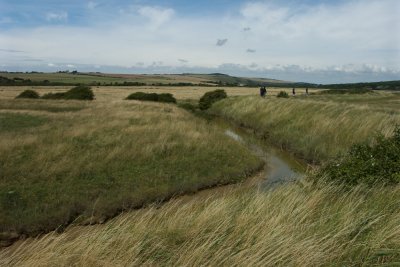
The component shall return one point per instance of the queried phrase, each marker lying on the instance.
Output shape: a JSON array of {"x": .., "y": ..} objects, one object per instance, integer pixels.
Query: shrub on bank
[
  {"x": 80, "y": 92},
  {"x": 28, "y": 94},
  {"x": 54, "y": 96},
  {"x": 368, "y": 164},
  {"x": 187, "y": 106},
  {"x": 283, "y": 94},
  {"x": 209, "y": 98},
  {"x": 166, "y": 98}
]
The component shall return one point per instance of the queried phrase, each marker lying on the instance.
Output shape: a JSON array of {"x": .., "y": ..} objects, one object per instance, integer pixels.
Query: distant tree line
[{"x": 232, "y": 82}]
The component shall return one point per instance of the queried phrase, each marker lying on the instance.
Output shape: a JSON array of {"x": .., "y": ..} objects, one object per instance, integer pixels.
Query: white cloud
[
  {"x": 156, "y": 15},
  {"x": 351, "y": 37},
  {"x": 57, "y": 16},
  {"x": 70, "y": 66},
  {"x": 51, "y": 65}
]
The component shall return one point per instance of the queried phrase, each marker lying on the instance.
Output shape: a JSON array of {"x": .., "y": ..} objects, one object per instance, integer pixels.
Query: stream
[{"x": 280, "y": 166}]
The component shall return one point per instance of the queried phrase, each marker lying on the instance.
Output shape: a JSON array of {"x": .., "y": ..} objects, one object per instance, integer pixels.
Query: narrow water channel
[{"x": 280, "y": 166}]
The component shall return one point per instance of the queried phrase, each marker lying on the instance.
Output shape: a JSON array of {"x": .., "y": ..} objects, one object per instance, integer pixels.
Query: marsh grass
[
  {"x": 10, "y": 122},
  {"x": 105, "y": 158},
  {"x": 41, "y": 105},
  {"x": 315, "y": 129},
  {"x": 294, "y": 225},
  {"x": 298, "y": 224}
]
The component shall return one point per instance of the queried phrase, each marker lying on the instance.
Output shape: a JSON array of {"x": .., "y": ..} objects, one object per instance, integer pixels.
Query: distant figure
[
  {"x": 293, "y": 91},
  {"x": 263, "y": 91},
  {"x": 307, "y": 91}
]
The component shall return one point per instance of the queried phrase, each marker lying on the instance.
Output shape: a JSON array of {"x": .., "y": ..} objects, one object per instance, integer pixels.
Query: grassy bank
[
  {"x": 294, "y": 225},
  {"x": 60, "y": 162},
  {"x": 314, "y": 127},
  {"x": 298, "y": 224}
]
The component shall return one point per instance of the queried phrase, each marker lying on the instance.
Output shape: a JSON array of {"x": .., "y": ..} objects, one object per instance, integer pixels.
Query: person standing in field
[
  {"x": 293, "y": 91},
  {"x": 307, "y": 91},
  {"x": 263, "y": 91}
]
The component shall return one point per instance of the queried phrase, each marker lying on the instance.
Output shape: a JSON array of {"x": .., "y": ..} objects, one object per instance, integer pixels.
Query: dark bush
[
  {"x": 368, "y": 164},
  {"x": 54, "y": 96},
  {"x": 187, "y": 106},
  {"x": 28, "y": 94},
  {"x": 209, "y": 98},
  {"x": 167, "y": 98},
  {"x": 282, "y": 94},
  {"x": 79, "y": 92}
]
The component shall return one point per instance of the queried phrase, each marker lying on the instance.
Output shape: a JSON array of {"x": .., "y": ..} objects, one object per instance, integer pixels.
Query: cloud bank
[{"x": 339, "y": 42}]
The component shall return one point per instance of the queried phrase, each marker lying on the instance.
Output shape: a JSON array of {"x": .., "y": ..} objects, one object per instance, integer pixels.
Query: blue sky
[{"x": 308, "y": 40}]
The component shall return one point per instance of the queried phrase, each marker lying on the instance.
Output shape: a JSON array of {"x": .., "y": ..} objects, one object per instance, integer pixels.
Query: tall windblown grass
[
  {"x": 294, "y": 225},
  {"x": 109, "y": 156},
  {"x": 316, "y": 130}
]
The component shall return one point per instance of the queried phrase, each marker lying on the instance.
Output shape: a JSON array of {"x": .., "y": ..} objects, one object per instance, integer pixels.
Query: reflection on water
[{"x": 280, "y": 166}]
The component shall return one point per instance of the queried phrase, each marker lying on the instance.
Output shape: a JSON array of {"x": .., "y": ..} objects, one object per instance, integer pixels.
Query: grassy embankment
[
  {"x": 293, "y": 225},
  {"x": 298, "y": 224},
  {"x": 316, "y": 128},
  {"x": 61, "y": 160}
]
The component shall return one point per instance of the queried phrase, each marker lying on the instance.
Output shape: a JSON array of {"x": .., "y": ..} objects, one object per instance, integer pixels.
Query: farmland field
[{"x": 148, "y": 79}]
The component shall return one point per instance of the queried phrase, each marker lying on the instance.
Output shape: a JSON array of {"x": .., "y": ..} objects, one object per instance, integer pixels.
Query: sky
[{"x": 320, "y": 41}]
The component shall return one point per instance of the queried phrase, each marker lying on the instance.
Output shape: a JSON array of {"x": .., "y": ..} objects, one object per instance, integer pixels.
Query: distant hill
[{"x": 185, "y": 79}]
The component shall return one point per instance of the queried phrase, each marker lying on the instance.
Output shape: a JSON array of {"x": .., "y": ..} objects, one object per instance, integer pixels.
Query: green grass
[
  {"x": 61, "y": 77},
  {"x": 13, "y": 122},
  {"x": 116, "y": 154},
  {"x": 106, "y": 158},
  {"x": 294, "y": 225},
  {"x": 316, "y": 128},
  {"x": 41, "y": 105},
  {"x": 381, "y": 102}
]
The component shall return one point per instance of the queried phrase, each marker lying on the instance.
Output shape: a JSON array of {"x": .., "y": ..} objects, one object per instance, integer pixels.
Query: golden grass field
[
  {"x": 107, "y": 93},
  {"x": 63, "y": 160},
  {"x": 315, "y": 127},
  {"x": 294, "y": 225},
  {"x": 306, "y": 223}
]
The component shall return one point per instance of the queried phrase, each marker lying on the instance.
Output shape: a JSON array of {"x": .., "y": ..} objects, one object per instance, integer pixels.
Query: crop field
[
  {"x": 105, "y": 78},
  {"x": 98, "y": 174}
]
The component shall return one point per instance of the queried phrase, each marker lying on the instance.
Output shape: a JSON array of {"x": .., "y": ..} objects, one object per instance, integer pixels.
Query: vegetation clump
[
  {"x": 80, "y": 92},
  {"x": 166, "y": 97},
  {"x": 28, "y": 94},
  {"x": 54, "y": 96},
  {"x": 368, "y": 164},
  {"x": 283, "y": 94},
  {"x": 209, "y": 98}
]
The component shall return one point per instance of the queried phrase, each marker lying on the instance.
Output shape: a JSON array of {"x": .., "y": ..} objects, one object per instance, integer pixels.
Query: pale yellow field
[{"x": 120, "y": 92}]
